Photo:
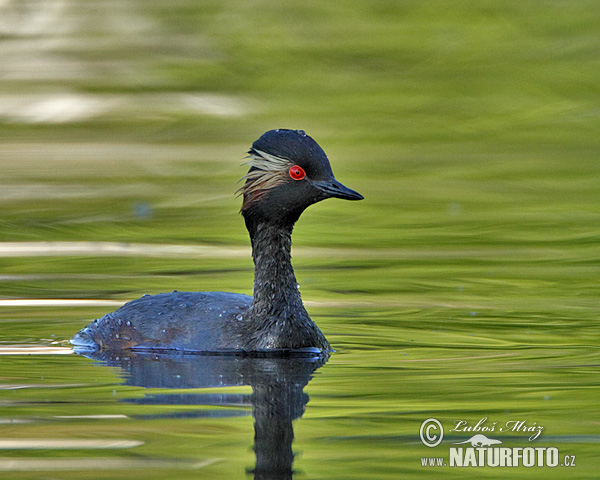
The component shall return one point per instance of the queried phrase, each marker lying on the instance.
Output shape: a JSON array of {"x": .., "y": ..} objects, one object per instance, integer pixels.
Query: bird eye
[{"x": 297, "y": 172}]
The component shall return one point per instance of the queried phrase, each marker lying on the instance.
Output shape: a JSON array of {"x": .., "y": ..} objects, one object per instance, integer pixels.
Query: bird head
[{"x": 288, "y": 172}]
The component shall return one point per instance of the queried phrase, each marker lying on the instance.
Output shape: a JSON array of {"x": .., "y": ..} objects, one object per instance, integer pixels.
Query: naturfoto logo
[
  {"x": 481, "y": 450},
  {"x": 480, "y": 440}
]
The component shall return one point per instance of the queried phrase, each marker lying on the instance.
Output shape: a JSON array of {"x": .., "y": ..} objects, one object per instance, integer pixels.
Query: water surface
[{"x": 464, "y": 287}]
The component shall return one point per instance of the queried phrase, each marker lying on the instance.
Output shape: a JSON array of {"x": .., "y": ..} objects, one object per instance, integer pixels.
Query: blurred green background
[
  {"x": 466, "y": 125},
  {"x": 471, "y": 128}
]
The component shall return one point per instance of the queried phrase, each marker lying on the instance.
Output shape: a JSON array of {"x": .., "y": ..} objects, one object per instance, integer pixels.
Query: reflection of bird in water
[
  {"x": 277, "y": 397},
  {"x": 288, "y": 172}
]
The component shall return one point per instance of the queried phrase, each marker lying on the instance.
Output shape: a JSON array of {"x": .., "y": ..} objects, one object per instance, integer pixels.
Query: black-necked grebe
[{"x": 288, "y": 172}]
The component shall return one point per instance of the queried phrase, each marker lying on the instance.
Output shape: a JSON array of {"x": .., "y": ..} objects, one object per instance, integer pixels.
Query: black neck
[
  {"x": 276, "y": 318},
  {"x": 275, "y": 286}
]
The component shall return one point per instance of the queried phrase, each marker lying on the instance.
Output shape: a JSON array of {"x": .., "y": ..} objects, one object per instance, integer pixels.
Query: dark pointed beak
[{"x": 333, "y": 188}]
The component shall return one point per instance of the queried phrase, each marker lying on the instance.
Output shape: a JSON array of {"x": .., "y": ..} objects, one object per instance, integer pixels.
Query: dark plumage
[{"x": 288, "y": 172}]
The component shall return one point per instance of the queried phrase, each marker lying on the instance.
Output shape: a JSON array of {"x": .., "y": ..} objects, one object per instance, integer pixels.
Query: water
[{"x": 464, "y": 287}]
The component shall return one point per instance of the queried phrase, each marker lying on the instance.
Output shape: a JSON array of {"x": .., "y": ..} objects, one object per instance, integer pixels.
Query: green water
[{"x": 465, "y": 285}]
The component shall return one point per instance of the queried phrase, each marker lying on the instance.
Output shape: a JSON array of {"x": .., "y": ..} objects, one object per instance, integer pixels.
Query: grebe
[{"x": 288, "y": 172}]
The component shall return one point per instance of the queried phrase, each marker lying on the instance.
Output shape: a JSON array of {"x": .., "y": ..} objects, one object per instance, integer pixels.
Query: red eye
[{"x": 297, "y": 172}]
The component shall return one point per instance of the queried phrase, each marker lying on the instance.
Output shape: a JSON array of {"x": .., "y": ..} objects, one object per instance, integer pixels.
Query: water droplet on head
[
  {"x": 301, "y": 132},
  {"x": 239, "y": 317},
  {"x": 128, "y": 323},
  {"x": 117, "y": 335}
]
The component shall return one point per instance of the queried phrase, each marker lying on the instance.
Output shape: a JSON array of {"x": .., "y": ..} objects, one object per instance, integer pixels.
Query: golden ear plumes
[{"x": 267, "y": 171}]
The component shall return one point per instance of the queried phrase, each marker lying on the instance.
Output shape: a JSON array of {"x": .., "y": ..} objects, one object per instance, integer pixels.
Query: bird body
[{"x": 288, "y": 172}]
